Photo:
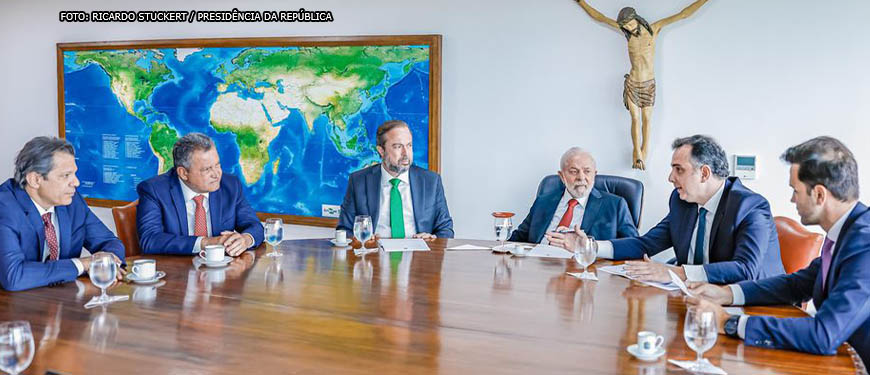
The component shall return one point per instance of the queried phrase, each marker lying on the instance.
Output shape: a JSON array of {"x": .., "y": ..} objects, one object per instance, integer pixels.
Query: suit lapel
[
  {"x": 540, "y": 223},
  {"x": 178, "y": 202},
  {"x": 689, "y": 226},
  {"x": 856, "y": 212},
  {"x": 373, "y": 194},
  {"x": 417, "y": 200},
  {"x": 32, "y": 217},
  {"x": 720, "y": 213},
  {"x": 593, "y": 205},
  {"x": 214, "y": 211},
  {"x": 63, "y": 226}
]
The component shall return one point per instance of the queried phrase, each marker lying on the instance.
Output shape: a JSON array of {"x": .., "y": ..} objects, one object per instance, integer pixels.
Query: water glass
[
  {"x": 700, "y": 331},
  {"x": 503, "y": 224},
  {"x": 585, "y": 255},
  {"x": 16, "y": 346},
  {"x": 362, "y": 230},
  {"x": 274, "y": 231},
  {"x": 103, "y": 272}
]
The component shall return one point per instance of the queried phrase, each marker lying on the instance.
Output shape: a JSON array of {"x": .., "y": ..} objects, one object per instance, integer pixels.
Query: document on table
[
  {"x": 468, "y": 247},
  {"x": 547, "y": 251},
  {"x": 403, "y": 244},
  {"x": 620, "y": 271},
  {"x": 676, "y": 280}
]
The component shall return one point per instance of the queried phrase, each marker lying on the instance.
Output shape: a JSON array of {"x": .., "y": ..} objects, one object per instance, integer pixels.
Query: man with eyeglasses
[{"x": 194, "y": 205}]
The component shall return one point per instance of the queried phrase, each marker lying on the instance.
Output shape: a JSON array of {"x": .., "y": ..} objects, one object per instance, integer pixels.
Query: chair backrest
[
  {"x": 628, "y": 188},
  {"x": 797, "y": 245},
  {"x": 125, "y": 225}
]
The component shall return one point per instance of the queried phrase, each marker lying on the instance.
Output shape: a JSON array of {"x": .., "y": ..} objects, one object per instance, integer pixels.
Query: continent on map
[{"x": 129, "y": 81}]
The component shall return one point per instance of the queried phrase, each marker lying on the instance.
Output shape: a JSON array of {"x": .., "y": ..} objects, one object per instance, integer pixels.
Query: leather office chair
[
  {"x": 125, "y": 225},
  {"x": 797, "y": 246},
  {"x": 628, "y": 188}
]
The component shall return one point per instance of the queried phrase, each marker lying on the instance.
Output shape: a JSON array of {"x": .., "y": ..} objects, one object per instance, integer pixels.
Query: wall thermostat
[{"x": 744, "y": 167}]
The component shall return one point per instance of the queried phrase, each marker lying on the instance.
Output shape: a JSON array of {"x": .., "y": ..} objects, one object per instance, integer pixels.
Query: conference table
[{"x": 322, "y": 310}]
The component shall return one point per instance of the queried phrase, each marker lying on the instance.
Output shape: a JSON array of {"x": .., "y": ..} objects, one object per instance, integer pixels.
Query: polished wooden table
[{"x": 318, "y": 310}]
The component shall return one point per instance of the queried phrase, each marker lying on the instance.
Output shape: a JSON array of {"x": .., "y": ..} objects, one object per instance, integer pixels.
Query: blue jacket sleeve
[
  {"x": 751, "y": 240},
  {"x": 653, "y": 242},
  {"x": 348, "y": 209},
  {"x": 443, "y": 223},
  {"x": 17, "y": 273},
  {"x": 149, "y": 224},
  {"x": 521, "y": 234},
  {"x": 246, "y": 218},
  {"x": 783, "y": 289},
  {"x": 98, "y": 238},
  {"x": 625, "y": 227}
]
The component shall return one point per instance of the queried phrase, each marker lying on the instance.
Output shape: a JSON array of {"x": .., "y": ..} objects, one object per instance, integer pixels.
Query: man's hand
[
  {"x": 703, "y": 305},
  {"x": 647, "y": 270},
  {"x": 715, "y": 293},
  {"x": 563, "y": 237},
  {"x": 235, "y": 243},
  {"x": 208, "y": 241},
  {"x": 86, "y": 265},
  {"x": 425, "y": 236}
]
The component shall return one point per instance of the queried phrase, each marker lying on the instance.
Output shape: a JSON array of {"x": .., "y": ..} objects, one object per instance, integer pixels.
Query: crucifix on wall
[{"x": 639, "y": 86}]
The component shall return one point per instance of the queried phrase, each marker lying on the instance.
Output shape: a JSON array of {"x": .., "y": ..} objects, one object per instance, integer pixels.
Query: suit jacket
[
  {"x": 605, "y": 217},
  {"x": 743, "y": 240},
  {"x": 363, "y": 197},
  {"x": 161, "y": 218},
  {"x": 843, "y": 306},
  {"x": 22, "y": 239}
]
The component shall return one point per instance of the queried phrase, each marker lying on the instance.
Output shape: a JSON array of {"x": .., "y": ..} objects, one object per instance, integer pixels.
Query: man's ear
[
  {"x": 182, "y": 173},
  {"x": 33, "y": 179},
  {"x": 706, "y": 172},
  {"x": 381, "y": 151},
  {"x": 819, "y": 194}
]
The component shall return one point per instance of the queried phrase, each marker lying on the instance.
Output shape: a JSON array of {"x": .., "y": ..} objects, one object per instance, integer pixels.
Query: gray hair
[
  {"x": 185, "y": 146},
  {"x": 38, "y": 156},
  {"x": 828, "y": 162},
  {"x": 572, "y": 153},
  {"x": 705, "y": 151}
]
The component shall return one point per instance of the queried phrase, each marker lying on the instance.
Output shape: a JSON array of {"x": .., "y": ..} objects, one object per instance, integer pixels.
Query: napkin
[{"x": 709, "y": 368}]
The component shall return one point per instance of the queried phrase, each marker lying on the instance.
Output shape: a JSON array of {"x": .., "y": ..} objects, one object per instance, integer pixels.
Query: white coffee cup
[
  {"x": 213, "y": 253},
  {"x": 648, "y": 342},
  {"x": 340, "y": 236},
  {"x": 144, "y": 269}
]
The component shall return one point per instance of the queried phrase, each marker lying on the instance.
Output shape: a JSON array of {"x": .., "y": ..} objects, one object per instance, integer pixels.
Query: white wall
[{"x": 523, "y": 81}]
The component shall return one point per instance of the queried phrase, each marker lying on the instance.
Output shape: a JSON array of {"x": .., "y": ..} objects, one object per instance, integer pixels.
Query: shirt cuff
[
  {"x": 196, "y": 248},
  {"x": 252, "y": 240},
  {"x": 695, "y": 273},
  {"x": 737, "y": 299},
  {"x": 741, "y": 326},
  {"x": 605, "y": 249},
  {"x": 79, "y": 267}
]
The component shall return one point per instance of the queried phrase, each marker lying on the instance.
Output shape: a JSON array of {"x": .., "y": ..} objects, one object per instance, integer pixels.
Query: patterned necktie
[
  {"x": 699, "y": 238},
  {"x": 200, "y": 229},
  {"x": 50, "y": 236},
  {"x": 827, "y": 252},
  {"x": 397, "y": 220},
  {"x": 569, "y": 215}
]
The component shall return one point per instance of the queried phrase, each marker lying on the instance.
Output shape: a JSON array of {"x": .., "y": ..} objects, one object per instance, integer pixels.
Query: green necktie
[{"x": 397, "y": 222}]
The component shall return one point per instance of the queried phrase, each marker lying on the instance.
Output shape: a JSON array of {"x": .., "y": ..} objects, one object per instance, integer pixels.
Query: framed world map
[{"x": 291, "y": 117}]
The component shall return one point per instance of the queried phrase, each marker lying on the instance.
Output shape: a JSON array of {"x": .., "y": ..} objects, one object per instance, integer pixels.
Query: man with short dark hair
[
  {"x": 824, "y": 179},
  {"x": 45, "y": 222},
  {"x": 195, "y": 205},
  {"x": 721, "y": 231},
  {"x": 403, "y": 200}
]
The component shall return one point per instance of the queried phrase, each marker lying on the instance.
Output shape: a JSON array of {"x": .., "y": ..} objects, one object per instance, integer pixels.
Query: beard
[{"x": 398, "y": 167}]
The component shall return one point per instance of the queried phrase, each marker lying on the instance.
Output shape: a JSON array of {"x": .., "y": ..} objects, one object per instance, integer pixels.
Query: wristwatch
[{"x": 731, "y": 326}]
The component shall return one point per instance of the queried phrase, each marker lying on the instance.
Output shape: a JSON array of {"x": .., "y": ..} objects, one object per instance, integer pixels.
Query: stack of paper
[{"x": 402, "y": 244}]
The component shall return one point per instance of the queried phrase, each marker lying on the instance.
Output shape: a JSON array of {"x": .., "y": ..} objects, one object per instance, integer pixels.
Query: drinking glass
[
  {"x": 274, "y": 234},
  {"x": 362, "y": 230},
  {"x": 16, "y": 346},
  {"x": 700, "y": 332},
  {"x": 103, "y": 272},
  {"x": 503, "y": 224},
  {"x": 585, "y": 256}
]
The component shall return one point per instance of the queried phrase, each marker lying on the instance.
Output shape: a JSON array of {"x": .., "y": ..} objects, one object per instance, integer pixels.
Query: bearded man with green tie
[{"x": 403, "y": 200}]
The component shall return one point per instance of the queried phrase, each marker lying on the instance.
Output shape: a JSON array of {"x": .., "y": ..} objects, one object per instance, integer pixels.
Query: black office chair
[{"x": 628, "y": 188}]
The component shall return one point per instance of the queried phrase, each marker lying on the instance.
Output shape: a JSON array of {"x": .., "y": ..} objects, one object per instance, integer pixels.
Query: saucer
[
  {"x": 219, "y": 263},
  {"x": 645, "y": 357},
  {"x": 339, "y": 244},
  {"x": 157, "y": 276}
]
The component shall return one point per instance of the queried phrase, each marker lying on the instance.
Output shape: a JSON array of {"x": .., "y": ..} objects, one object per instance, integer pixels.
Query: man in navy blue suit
[
  {"x": 600, "y": 214},
  {"x": 824, "y": 179},
  {"x": 195, "y": 205},
  {"x": 44, "y": 222},
  {"x": 403, "y": 200},
  {"x": 721, "y": 231}
]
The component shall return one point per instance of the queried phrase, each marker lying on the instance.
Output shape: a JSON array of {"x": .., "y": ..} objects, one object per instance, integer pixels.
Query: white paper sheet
[
  {"x": 403, "y": 244},
  {"x": 708, "y": 369},
  {"x": 620, "y": 271},
  {"x": 679, "y": 283},
  {"x": 547, "y": 251},
  {"x": 468, "y": 247}
]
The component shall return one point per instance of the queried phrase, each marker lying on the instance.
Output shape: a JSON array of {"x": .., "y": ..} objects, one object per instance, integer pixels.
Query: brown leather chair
[
  {"x": 125, "y": 225},
  {"x": 798, "y": 246}
]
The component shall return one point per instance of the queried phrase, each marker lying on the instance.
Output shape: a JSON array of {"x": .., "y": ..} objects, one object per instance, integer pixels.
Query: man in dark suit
[
  {"x": 721, "y": 231},
  {"x": 600, "y": 214},
  {"x": 824, "y": 179},
  {"x": 195, "y": 205},
  {"x": 44, "y": 222},
  {"x": 403, "y": 200}
]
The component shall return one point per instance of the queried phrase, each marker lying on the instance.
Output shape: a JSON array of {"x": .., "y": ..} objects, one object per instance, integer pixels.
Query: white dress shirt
[
  {"x": 561, "y": 208},
  {"x": 45, "y": 252},
  {"x": 693, "y": 272},
  {"x": 384, "y": 230},
  {"x": 190, "y": 207},
  {"x": 738, "y": 298}
]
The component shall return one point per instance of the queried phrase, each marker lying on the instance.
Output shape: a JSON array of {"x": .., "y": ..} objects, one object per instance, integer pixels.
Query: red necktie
[
  {"x": 50, "y": 237},
  {"x": 199, "y": 227},
  {"x": 569, "y": 215}
]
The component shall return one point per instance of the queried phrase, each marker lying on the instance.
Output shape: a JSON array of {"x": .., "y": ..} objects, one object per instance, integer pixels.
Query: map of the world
[{"x": 291, "y": 122}]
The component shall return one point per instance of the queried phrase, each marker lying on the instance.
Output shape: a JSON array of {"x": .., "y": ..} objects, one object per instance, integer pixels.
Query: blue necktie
[{"x": 699, "y": 238}]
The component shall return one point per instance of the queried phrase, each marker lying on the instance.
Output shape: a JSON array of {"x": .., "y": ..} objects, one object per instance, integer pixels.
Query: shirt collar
[
  {"x": 581, "y": 201},
  {"x": 713, "y": 203},
  {"x": 386, "y": 177},
  {"x": 41, "y": 210},
  {"x": 188, "y": 192},
  {"x": 834, "y": 232}
]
